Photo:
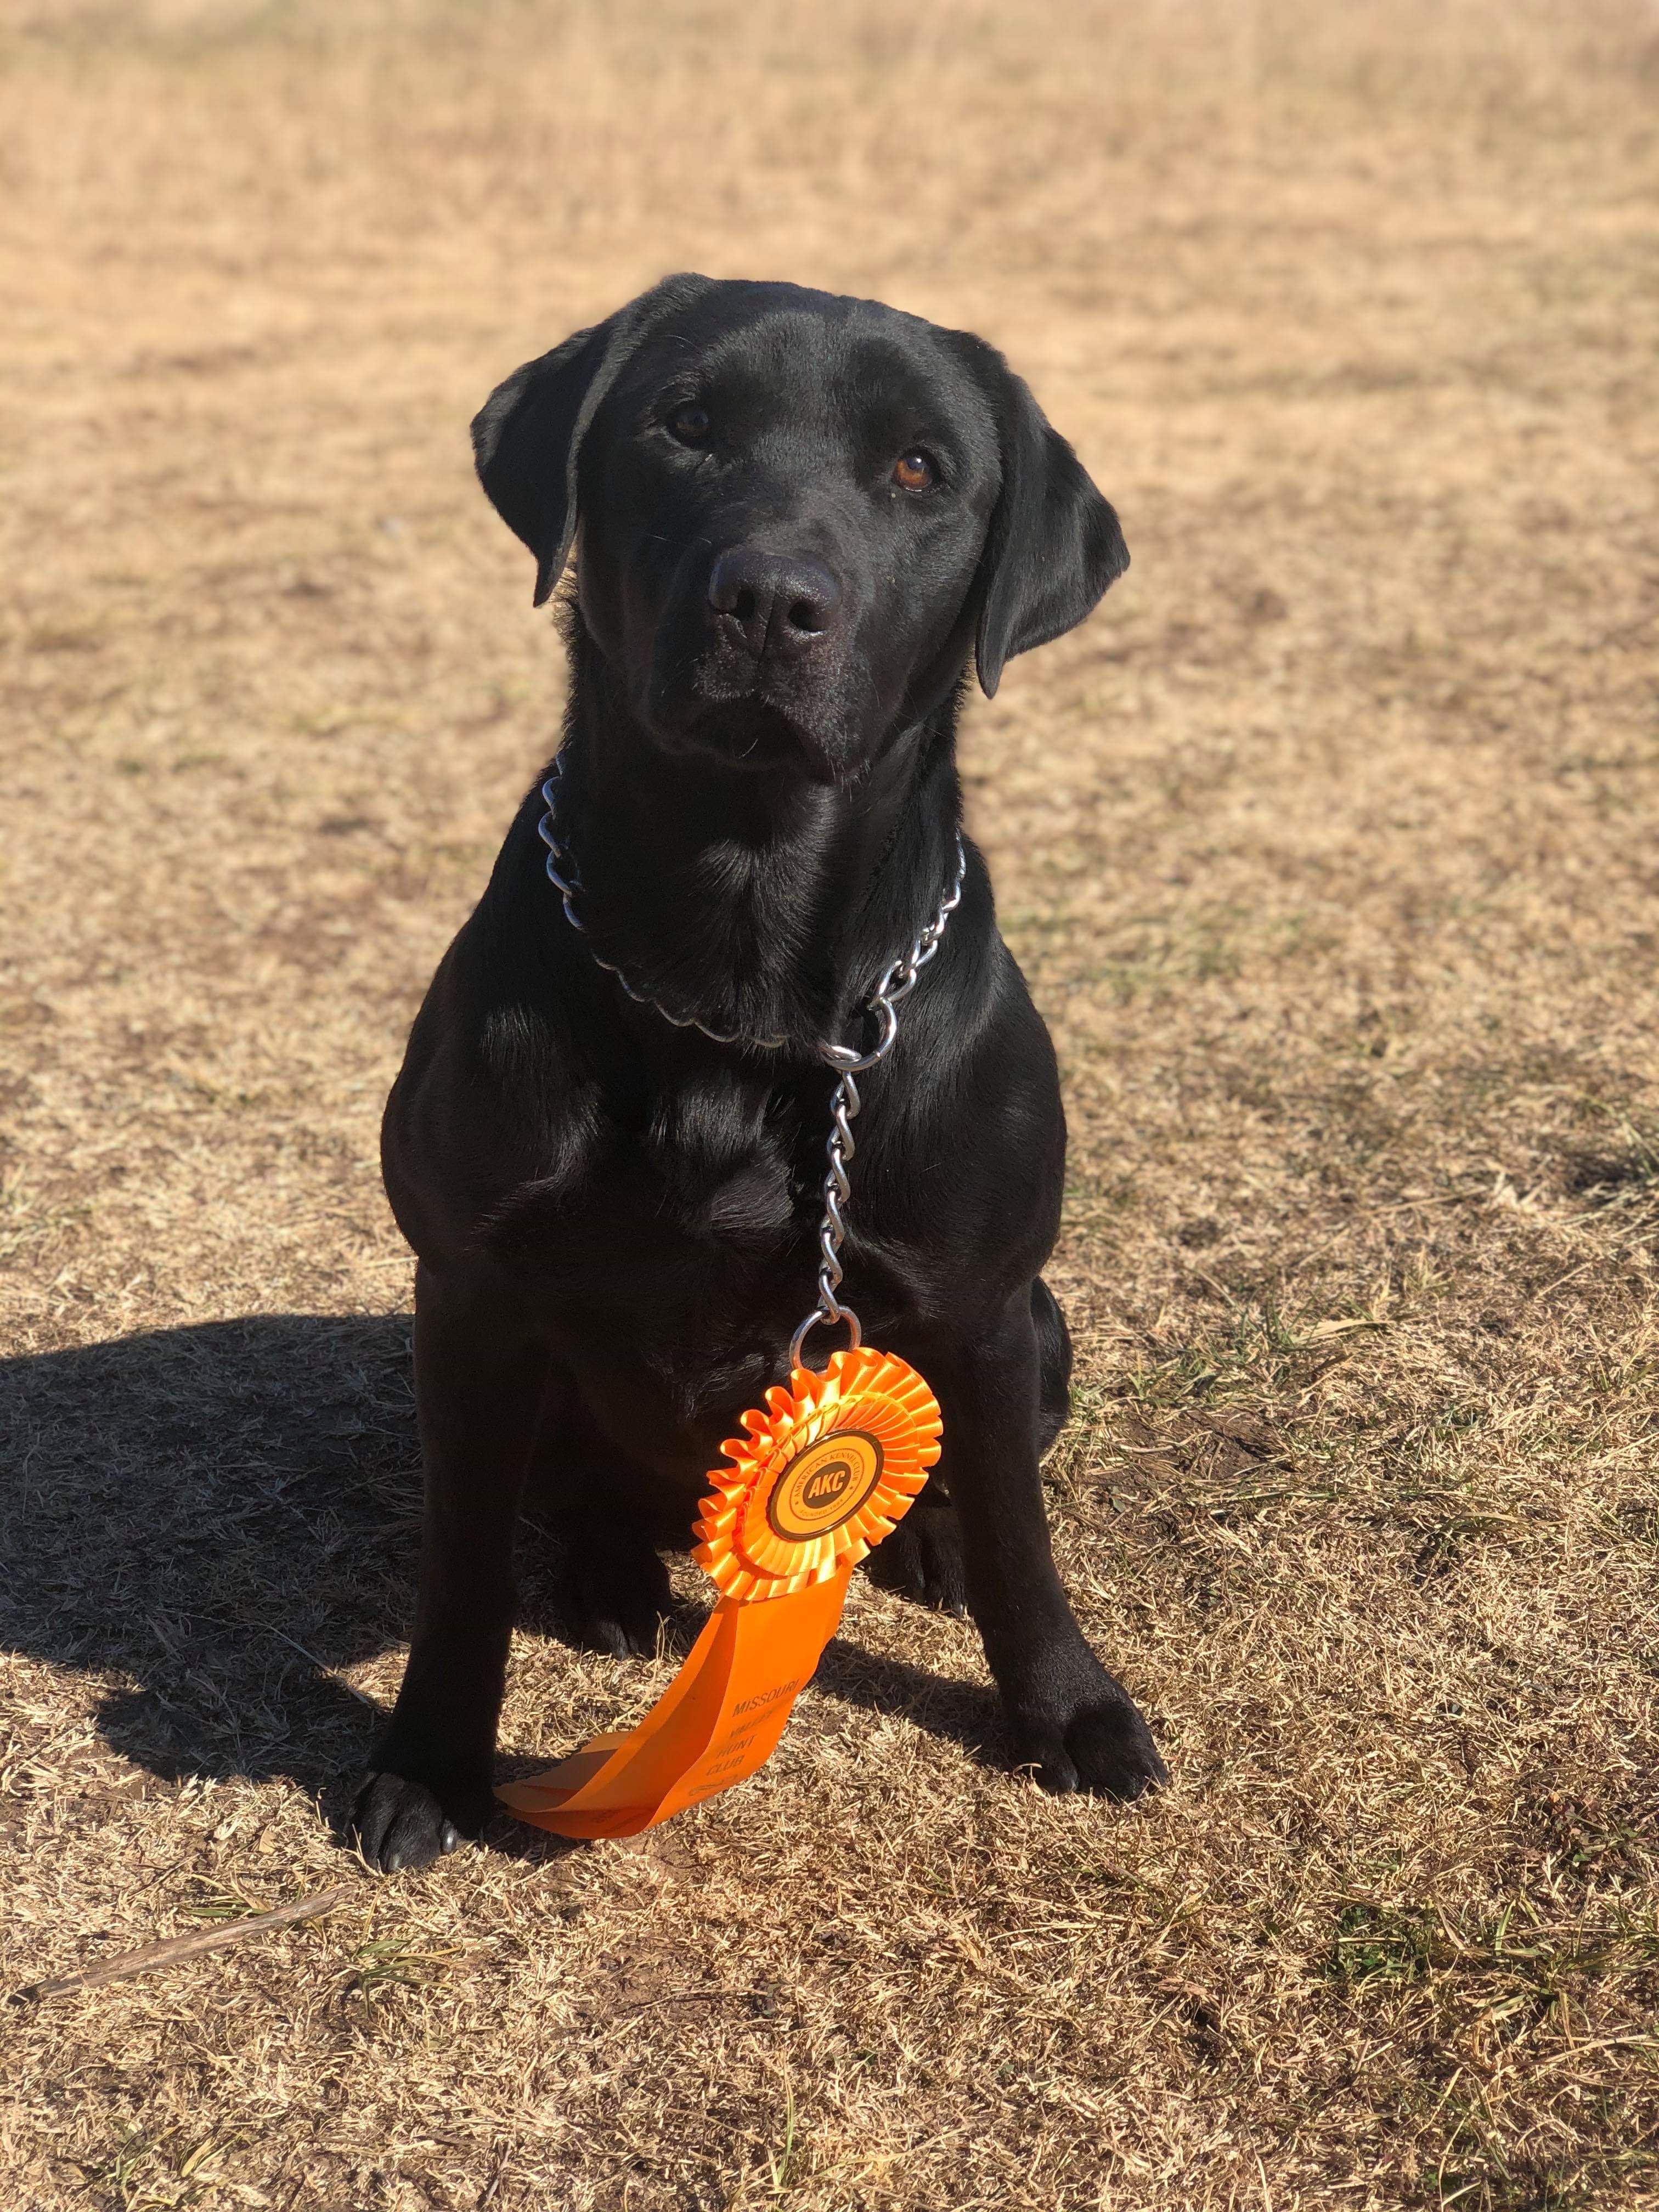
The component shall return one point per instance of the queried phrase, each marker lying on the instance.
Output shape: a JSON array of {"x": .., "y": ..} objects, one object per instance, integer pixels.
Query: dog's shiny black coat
[{"x": 799, "y": 518}]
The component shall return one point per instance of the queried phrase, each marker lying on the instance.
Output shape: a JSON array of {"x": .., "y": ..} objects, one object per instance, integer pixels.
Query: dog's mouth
[
  {"x": 751, "y": 716},
  {"x": 752, "y": 731}
]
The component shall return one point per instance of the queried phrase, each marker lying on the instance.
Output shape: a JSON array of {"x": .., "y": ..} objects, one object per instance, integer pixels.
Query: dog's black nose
[{"x": 780, "y": 603}]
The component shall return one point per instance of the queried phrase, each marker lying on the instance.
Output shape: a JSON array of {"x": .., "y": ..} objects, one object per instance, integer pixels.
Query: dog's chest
[
  {"x": 709, "y": 1185},
  {"x": 681, "y": 1242},
  {"x": 717, "y": 1160}
]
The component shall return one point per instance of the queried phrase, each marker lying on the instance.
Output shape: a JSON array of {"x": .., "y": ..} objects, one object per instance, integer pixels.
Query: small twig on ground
[
  {"x": 1567, "y": 1278},
  {"x": 329, "y": 1674},
  {"x": 185, "y": 1947}
]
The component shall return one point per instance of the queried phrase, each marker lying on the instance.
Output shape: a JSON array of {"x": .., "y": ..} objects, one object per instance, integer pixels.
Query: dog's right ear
[{"x": 527, "y": 437}]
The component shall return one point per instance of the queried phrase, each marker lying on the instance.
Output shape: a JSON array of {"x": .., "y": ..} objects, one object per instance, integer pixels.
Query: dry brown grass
[{"x": 1330, "y": 847}]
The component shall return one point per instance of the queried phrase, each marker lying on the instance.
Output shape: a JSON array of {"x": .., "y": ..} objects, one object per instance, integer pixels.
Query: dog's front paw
[
  {"x": 922, "y": 1559},
  {"x": 402, "y": 1826},
  {"x": 1085, "y": 1732}
]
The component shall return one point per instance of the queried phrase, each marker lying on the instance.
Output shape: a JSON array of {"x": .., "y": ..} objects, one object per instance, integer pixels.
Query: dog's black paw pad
[
  {"x": 401, "y": 1826},
  {"x": 922, "y": 1559}
]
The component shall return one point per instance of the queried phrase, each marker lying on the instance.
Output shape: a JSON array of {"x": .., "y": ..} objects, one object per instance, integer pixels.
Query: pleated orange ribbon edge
[{"x": 828, "y": 1470}]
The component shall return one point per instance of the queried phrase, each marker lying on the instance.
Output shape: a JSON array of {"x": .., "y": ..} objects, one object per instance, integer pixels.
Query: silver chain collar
[{"x": 898, "y": 980}]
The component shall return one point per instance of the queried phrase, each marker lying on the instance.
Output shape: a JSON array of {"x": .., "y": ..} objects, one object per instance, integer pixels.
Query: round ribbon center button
[{"x": 824, "y": 1487}]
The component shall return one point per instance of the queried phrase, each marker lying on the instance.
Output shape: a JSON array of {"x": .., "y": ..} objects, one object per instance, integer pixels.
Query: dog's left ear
[
  {"x": 1054, "y": 546},
  {"x": 527, "y": 437}
]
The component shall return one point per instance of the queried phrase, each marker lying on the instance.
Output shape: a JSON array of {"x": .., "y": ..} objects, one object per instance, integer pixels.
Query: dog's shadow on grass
[{"x": 221, "y": 1517}]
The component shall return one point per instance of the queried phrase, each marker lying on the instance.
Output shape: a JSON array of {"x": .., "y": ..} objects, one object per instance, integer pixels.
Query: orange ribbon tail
[
  {"x": 720, "y": 1719},
  {"x": 823, "y": 1474}
]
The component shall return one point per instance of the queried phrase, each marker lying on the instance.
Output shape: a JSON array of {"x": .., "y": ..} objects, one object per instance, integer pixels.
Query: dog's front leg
[
  {"x": 1069, "y": 1719},
  {"x": 479, "y": 1381}
]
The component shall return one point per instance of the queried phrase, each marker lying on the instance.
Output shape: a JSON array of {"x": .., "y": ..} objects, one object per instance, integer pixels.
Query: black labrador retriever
[{"x": 800, "y": 517}]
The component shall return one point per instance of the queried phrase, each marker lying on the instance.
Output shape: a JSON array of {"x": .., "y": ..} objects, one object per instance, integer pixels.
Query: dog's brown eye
[
  {"x": 690, "y": 425},
  {"x": 913, "y": 471}
]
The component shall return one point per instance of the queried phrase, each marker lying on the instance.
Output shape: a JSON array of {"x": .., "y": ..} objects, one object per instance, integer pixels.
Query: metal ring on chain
[{"x": 898, "y": 980}]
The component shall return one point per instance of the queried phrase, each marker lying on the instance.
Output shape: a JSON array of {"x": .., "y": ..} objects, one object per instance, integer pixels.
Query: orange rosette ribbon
[{"x": 822, "y": 1476}]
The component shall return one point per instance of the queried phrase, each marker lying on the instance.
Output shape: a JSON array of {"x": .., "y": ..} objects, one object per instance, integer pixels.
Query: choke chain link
[
  {"x": 898, "y": 980},
  {"x": 561, "y": 874}
]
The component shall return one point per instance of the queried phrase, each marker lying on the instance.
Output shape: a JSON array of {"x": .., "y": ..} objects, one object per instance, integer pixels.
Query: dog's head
[{"x": 799, "y": 513}]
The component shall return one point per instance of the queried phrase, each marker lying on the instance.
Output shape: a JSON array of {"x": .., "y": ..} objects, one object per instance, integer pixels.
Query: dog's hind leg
[
  {"x": 922, "y": 1558},
  {"x": 1055, "y": 1364},
  {"x": 609, "y": 1587},
  {"x": 479, "y": 1382}
]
